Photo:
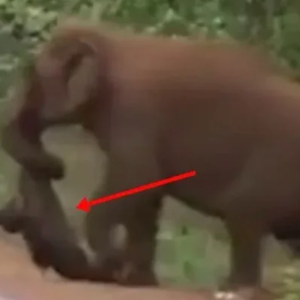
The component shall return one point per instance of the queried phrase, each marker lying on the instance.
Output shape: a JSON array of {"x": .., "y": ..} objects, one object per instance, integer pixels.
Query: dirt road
[{"x": 20, "y": 280}]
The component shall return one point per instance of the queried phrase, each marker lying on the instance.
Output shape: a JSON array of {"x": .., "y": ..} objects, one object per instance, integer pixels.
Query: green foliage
[{"x": 190, "y": 257}]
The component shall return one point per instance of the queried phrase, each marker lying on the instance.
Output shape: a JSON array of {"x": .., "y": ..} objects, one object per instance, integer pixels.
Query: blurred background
[{"x": 193, "y": 249}]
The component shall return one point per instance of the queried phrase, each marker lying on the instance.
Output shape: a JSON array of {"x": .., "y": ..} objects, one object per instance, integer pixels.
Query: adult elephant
[{"x": 161, "y": 107}]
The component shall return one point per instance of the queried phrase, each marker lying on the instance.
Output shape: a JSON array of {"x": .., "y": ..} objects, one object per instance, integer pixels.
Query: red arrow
[{"x": 85, "y": 205}]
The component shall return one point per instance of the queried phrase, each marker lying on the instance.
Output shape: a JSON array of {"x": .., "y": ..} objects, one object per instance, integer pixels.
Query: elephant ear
[
  {"x": 82, "y": 84},
  {"x": 70, "y": 68}
]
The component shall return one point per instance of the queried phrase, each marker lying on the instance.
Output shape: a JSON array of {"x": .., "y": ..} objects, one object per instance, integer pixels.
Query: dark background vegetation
[{"x": 189, "y": 254}]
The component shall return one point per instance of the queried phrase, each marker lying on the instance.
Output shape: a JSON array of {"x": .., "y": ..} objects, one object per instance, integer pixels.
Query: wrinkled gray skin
[{"x": 162, "y": 107}]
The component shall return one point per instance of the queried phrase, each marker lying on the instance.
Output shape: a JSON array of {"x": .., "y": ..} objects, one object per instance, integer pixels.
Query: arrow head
[{"x": 84, "y": 205}]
